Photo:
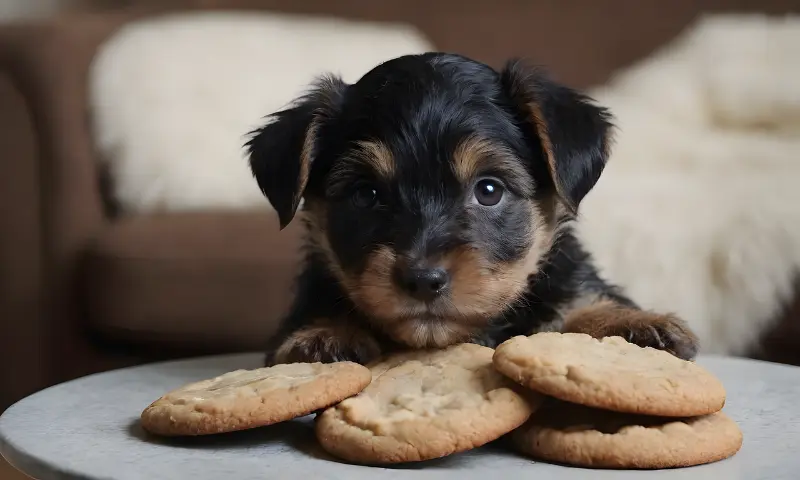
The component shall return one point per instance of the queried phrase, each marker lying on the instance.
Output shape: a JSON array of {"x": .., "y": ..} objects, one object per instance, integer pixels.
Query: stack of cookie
[
  {"x": 609, "y": 403},
  {"x": 561, "y": 397}
]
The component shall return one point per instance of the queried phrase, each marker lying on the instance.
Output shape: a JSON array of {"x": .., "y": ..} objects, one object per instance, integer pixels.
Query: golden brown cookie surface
[
  {"x": 423, "y": 405},
  {"x": 581, "y": 436},
  {"x": 245, "y": 399},
  {"x": 611, "y": 374}
]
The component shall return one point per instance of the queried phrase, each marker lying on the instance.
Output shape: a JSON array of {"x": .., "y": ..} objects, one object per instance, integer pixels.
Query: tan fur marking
[
  {"x": 606, "y": 318},
  {"x": 467, "y": 158},
  {"x": 473, "y": 152},
  {"x": 482, "y": 289},
  {"x": 328, "y": 88},
  {"x": 374, "y": 290},
  {"x": 544, "y": 136},
  {"x": 594, "y": 319},
  {"x": 377, "y": 155},
  {"x": 305, "y": 160},
  {"x": 547, "y": 145}
]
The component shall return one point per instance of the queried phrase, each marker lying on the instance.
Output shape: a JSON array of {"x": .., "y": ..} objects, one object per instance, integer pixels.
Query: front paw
[
  {"x": 664, "y": 332},
  {"x": 643, "y": 328},
  {"x": 327, "y": 344}
]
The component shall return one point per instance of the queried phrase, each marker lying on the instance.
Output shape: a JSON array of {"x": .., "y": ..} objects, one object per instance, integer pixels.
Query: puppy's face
[
  {"x": 432, "y": 235},
  {"x": 433, "y": 185}
]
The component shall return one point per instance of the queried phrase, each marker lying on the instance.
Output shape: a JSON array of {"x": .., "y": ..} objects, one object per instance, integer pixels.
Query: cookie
[
  {"x": 611, "y": 374},
  {"x": 245, "y": 399},
  {"x": 423, "y": 405},
  {"x": 585, "y": 437}
]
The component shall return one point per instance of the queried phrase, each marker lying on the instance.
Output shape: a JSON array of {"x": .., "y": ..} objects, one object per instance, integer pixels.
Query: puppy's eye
[
  {"x": 365, "y": 197},
  {"x": 488, "y": 192}
]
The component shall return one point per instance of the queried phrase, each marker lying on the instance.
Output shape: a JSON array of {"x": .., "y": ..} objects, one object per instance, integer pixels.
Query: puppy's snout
[{"x": 423, "y": 283}]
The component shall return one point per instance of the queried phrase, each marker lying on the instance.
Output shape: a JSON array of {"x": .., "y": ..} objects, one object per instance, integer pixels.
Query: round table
[{"x": 88, "y": 429}]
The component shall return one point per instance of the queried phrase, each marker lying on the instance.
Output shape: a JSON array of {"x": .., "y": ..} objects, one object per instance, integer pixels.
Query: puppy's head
[{"x": 433, "y": 185}]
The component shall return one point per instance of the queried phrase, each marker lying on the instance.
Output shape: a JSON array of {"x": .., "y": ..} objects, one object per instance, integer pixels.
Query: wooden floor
[{"x": 7, "y": 472}]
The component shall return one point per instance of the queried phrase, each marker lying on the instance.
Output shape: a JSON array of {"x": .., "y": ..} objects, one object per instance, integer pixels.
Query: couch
[{"x": 84, "y": 288}]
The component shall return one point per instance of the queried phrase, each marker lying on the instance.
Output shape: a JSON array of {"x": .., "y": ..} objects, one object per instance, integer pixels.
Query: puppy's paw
[
  {"x": 643, "y": 328},
  {"x": 327, "y": 343},
  {"x": 664, "y": 332}
]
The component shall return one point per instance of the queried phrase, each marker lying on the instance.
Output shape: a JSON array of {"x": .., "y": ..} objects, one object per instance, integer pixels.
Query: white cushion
[{"x": 172, "y": 98}]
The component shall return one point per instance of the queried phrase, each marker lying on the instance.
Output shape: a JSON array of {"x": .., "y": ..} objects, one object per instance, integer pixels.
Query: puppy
[{"x": 438, "y": 198}]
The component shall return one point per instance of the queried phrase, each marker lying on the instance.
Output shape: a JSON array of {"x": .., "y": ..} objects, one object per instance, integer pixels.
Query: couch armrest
[
  {"x": 49, "y": 190},
  {"x": 48, "y": 63}
]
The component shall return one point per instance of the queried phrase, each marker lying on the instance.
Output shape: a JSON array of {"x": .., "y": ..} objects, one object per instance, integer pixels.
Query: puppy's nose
[{"x": 423, "y": 283}]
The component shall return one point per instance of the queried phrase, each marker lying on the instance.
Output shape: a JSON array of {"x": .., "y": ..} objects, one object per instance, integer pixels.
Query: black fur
[{"x": 421, "y": 108}]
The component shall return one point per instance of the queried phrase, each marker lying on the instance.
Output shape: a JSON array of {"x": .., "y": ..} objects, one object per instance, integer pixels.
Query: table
[{"x": 88, "y": 429}]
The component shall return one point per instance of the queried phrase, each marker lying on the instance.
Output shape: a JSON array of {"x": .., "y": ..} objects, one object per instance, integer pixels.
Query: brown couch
[{"x": 84, "y": 288}]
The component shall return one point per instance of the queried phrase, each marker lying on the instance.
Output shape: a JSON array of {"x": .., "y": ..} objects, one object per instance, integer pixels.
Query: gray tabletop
[{"x": 88, "y": 429}]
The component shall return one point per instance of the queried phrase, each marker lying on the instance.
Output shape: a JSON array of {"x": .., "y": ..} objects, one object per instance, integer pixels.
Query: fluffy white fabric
[
  {"x": 698, "y": 211},
  {"x": 173, "y": 97}
]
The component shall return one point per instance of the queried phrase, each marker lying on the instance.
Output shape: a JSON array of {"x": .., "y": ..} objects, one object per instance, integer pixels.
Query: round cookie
[
  {"x": 585, "y": 437},
  {"x": 611, "y": 374},
  {"x": 245, "y": 399},
  {"x": 423, "y": 405}
]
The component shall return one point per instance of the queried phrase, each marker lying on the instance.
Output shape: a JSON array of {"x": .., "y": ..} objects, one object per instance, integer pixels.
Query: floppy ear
[
  {"x": 283, "y": 151},
  {"x": 574, "y": 133}
]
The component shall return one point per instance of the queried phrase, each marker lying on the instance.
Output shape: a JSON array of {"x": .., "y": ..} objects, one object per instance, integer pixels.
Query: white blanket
[
  {"x": 172, "y": 97},
  {"x": 696, "y": 213}
]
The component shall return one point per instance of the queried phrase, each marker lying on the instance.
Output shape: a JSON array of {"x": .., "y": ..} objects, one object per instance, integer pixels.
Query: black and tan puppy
[{"x": 438, "y": 195}]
